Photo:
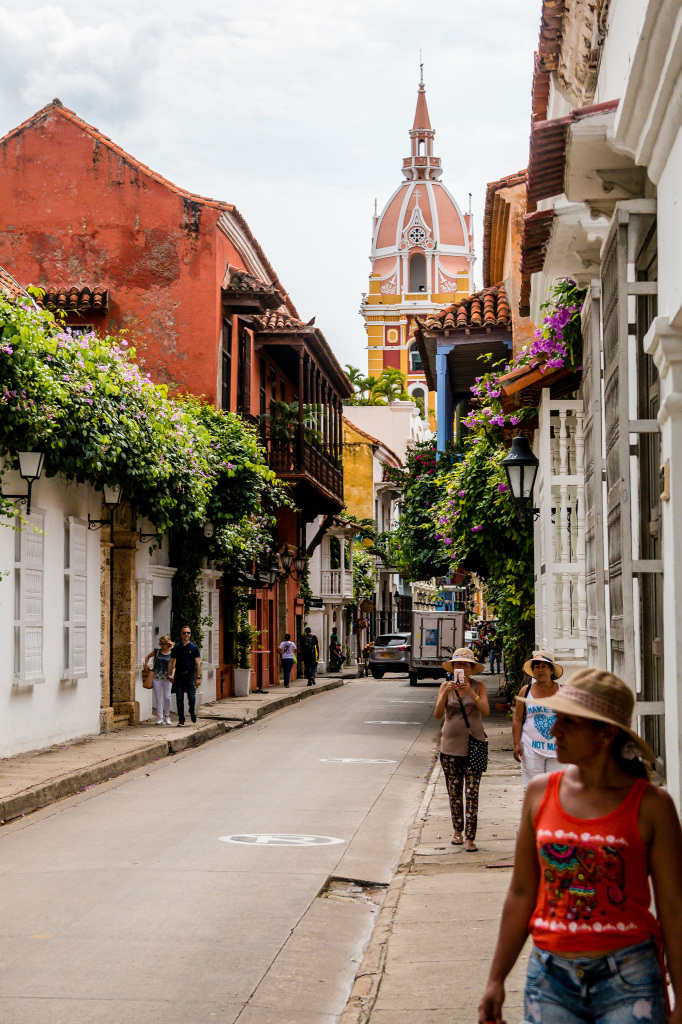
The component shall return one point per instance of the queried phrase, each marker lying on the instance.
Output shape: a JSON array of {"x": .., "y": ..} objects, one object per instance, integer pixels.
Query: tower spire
[{"x": 422, "y": 164}]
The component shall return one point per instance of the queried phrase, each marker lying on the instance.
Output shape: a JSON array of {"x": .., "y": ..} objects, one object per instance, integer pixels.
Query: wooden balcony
[{"x": 317, "y": 478}]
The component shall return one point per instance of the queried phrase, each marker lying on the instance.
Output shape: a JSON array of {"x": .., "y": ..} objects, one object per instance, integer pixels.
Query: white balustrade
[{"x": 336, "y": 583}]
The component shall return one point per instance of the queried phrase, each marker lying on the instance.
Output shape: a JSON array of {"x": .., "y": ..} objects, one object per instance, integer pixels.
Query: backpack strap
[{"x": 526, "y": 694}]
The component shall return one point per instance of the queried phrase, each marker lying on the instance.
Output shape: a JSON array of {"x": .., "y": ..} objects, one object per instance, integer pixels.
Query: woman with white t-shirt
[
  {"x": 534, "y": 746},
  {"x": 287, "y": 650}
]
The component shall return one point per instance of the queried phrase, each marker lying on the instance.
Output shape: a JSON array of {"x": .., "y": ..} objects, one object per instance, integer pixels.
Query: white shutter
[
  {"x": 145, "y": 620},
  {"x": 215, "y": 611},
  {"x": 76, "y": 599},
  {"x": 28, "y": 603}
]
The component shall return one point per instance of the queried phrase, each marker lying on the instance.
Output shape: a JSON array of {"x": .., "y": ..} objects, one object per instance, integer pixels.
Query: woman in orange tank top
[{"x": 591, "y": 839}]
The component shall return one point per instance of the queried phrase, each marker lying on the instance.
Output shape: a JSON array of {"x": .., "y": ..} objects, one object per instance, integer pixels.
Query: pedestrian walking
[
  {"x": 160, "y": 682},
  {"x": 287, "y": 651},
  {"x": 591, "y": 837},
  {"x": 495, "y": 649},
  {"x": 310, "y": 650},
  {"x": 184, "y": 669},
  {"x": 462, "y": 701},
  {"x": 534, "y": 745}
]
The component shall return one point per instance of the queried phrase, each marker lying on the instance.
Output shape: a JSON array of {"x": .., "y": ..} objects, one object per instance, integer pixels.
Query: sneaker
[
  {"x": 159, "y": 721},
  {"x": 168, "y": 721},
  {"x": 181, "y": 723},
  {"x": 193, "y": 717}
]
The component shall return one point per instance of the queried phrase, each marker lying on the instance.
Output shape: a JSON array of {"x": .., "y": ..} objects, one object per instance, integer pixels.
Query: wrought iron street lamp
[
  {"x": 287, "y": 560},
  {"x": 30, "y": 469},
  {"x": 273, "y": 571},
  {"x": 521, "y": 467}
]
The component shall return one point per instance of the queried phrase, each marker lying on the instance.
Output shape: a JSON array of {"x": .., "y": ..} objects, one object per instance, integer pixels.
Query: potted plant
[{"x": 244, "y": 638}]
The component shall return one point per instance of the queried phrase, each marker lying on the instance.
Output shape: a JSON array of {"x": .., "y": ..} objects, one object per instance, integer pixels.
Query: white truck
[{"x": 435, "y": 635}]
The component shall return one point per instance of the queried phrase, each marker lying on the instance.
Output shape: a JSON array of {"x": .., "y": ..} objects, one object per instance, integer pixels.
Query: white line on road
[
  {"x": 280, "y": 839},
  {"x": 357, "y": 760}
]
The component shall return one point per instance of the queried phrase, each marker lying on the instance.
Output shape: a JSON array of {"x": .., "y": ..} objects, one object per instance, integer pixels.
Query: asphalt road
[{"x": 126, "y": 904}]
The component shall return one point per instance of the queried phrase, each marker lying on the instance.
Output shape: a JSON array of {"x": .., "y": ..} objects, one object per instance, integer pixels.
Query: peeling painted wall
[{"x": 74, "y": 212}]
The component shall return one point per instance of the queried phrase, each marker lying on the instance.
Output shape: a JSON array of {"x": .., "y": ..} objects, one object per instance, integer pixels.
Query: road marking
[
  {"x": 279, "y": 839},
  {"x": 357, "y": 760},
  {"x": 393, "y": 723}
]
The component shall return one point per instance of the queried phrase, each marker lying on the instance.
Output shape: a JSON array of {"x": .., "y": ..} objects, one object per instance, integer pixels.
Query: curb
[
  {"x": 367, "y": 982},
  {"x": 286, "y": 700},
  {"x": 75, "y": 782}
]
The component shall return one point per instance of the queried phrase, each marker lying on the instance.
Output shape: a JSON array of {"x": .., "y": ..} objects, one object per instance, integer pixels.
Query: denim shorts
[{"x": 625, "y": 987}]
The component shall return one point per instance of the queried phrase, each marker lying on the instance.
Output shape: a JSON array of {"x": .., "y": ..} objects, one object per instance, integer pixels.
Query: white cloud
[{"x": 297, "y": 112}]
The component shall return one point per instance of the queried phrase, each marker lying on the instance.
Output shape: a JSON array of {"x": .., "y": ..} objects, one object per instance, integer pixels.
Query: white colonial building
[{"x": 605, "y": 207}]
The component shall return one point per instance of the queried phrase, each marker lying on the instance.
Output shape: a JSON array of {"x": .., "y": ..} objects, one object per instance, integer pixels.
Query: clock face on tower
[{"x": 417, "y": 235}]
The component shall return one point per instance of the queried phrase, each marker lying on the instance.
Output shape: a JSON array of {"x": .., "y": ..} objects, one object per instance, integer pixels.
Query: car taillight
[{"x": 403, "y": 648}]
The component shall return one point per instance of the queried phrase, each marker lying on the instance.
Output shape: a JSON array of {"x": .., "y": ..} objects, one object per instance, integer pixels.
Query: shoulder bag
[
  {"x": 148, "y": 674},
  {"x": 477, "y": 757}
]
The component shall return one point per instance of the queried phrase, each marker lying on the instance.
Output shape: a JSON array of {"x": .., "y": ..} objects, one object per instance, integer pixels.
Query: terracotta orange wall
[{"x": 72, "y": 212}]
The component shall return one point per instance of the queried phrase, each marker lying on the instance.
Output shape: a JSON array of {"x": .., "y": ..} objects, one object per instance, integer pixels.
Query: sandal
[
  {"x": 471, "y": 849},
  {"x": 457, "y": 842}
]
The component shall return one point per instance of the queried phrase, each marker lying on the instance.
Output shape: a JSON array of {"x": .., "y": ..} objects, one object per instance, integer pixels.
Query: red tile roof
[
  {"x": 78, "y": 299},
  {"x": 485, "y": 309},
  {"x": 239, "y": 283},
  {"x": 522, "y": 387},
  {"x": 9, "y": 285},
  {"x": 491, "y": 214},
  {"x": 57, "y": 107},
  {"x": 537, "y": 227},
  {"x": 547, "y": 158},
  {"x": 280, "y": 320}
]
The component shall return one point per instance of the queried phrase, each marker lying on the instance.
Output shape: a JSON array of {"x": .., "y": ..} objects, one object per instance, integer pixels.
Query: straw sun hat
[
  {"x": 600, "y": 696},
  {"x": 463, "y": 656},
  {"x": 548, "y": 659}
]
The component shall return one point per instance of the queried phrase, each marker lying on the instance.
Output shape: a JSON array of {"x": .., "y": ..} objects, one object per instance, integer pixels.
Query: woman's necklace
[{"x": 545, "y": 686}]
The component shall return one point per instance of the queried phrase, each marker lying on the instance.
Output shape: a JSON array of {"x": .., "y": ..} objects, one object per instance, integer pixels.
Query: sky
[{"x": 296, "y": 111}]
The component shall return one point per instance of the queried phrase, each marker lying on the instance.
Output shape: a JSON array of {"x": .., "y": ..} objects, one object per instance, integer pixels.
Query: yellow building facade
[{"x": 422, "y": 259}]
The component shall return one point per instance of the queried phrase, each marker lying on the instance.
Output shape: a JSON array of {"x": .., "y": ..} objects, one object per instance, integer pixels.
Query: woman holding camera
[{"x": 458, "y": 696}]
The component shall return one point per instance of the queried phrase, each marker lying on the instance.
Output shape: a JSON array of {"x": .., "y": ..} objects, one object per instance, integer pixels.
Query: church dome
[{"x": 421, "y": 224}]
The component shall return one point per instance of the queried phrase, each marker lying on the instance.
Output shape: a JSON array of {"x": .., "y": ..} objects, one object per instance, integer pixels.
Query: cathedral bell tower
[{"x": 422, "y": 259}]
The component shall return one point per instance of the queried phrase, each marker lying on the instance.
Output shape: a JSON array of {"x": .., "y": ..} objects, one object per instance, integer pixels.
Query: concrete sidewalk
[
  {"x": 38, "y": 778},
  {"x": 429, "y": 956}
]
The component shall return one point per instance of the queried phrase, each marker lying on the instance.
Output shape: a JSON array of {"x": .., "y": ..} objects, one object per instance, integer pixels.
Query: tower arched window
[
  {"x": 418, "y": 396},
  {"x": 422, "y": 147},
  {"x": 417, "y": 273},
  {"x": 416, "y": 365}
]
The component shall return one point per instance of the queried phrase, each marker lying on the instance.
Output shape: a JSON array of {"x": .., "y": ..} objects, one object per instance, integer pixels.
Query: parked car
[{"x": 391, "y": 653}]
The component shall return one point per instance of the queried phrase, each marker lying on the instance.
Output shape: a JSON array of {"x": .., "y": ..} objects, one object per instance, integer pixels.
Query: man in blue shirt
[{"x": 184, "y": 668}]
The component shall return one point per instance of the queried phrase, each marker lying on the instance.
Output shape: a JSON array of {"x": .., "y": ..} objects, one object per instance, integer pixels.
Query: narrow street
[{"x": 125, "y": 904}]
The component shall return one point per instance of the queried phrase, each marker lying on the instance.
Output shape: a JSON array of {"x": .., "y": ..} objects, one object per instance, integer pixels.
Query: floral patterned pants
[{"x": 461, "y": 782}]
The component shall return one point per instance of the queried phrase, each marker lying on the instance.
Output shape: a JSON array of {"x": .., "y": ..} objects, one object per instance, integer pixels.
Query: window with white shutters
[
  {"x": 145, "y": 620},
  {"x": 210, "y": 617},
  {"x": 29, "y": 558},
  {"x": 75, "y": 598}
]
